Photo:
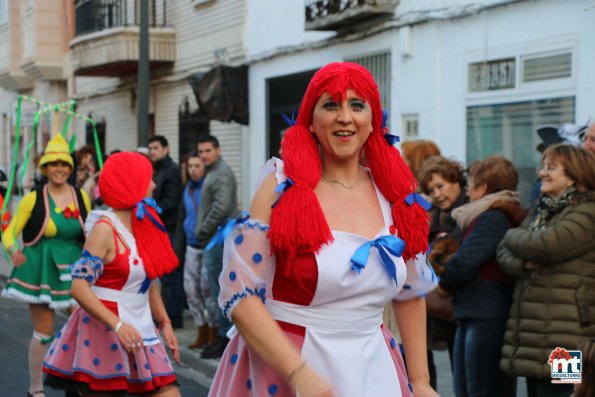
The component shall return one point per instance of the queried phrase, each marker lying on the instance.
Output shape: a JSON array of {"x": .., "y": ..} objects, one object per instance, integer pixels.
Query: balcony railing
[
  {"x": 338, "y": 14},
  {"x": 107, "y": 36},
  {"x": 96, "y": 15}
]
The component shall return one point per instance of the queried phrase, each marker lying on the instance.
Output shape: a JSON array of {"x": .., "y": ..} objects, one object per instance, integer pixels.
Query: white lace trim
[
  {"x": 95, "y": 215},
  {"x": 275, "y": 165}
]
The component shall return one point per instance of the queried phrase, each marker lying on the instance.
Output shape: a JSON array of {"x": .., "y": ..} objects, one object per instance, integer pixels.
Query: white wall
[
  {"x": 120, "y": 117},
  {"x": 278, "y": 23}
]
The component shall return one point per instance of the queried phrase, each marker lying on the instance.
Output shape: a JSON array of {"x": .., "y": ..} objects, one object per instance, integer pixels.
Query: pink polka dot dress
[{"x": 331, "y": 312}]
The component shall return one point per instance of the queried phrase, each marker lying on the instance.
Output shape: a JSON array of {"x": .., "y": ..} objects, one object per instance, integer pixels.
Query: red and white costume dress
[
  {"x": 329, "y": 311},
  {"x": 88, "y": 351}
]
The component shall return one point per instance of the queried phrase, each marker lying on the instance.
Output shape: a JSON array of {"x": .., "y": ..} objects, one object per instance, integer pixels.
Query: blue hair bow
[
  {"x": 392, "y": 244},
  {"x": 141, "y": 211},
  {"x": 384, "y": 118},
  {"x": 419, "y": 199},
  {"x": 223, "y": 231},
  {"x": 282, "y": 188},
  {"x": 391, "y": 139},
  {"x": 290, "y": 121}
]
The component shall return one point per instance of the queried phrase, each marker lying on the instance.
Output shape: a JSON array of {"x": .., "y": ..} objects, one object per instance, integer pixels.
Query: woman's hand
[
  {"x": 423, "y": 389},
  {"x": 171, "y": 341},
  {"x": 129, "y": 338},
  {"x": 309, "y": 384},
  {"x": 17, "y": 258}
]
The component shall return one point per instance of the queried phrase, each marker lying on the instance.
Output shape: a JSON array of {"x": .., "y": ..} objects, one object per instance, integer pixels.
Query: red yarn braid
[
  {"x": 298, "y": 225},
  {"x": 123, "y": 183}
]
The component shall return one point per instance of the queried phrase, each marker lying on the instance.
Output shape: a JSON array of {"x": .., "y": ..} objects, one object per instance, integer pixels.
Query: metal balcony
[
  {"x": 107, "y": 36},
  {"x": 344, "y": 14}
]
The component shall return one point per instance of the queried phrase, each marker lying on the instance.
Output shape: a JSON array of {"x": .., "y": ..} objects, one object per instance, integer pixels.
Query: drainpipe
[{"x": 143, "y": 75}]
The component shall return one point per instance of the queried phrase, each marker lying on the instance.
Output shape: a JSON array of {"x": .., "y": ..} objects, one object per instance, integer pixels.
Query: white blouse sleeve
[
  {"x": 420, "y": 280},
  {"x": 248, "y": 267}
]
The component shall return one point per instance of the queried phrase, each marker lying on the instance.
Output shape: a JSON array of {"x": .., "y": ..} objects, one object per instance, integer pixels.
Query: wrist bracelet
[
  {"x": 118, "y": 326},
  {"x": 295, "y": 371},
  {"x": 11, "y": 250},
  {"x": 163, "y": 322}
]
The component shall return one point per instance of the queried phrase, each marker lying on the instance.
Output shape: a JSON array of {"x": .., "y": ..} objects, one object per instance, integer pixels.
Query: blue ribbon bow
[
  {"x": 392, "y": 244},
  {"x": 282, "y": 188},
  {"x": 391, "y": 139},
  {"x": 290, "y": 121},
  {"x": 419, "y": 199},
  {"x": 384, "y": 118},
  {"x": 223, "y": 231},
  {"x": 141, "y": 211}
]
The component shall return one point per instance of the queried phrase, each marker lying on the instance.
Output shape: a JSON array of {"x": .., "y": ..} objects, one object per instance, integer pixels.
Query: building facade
[
  {"x": 477, "y": 77},
  {"x": 34, "y": 37}
]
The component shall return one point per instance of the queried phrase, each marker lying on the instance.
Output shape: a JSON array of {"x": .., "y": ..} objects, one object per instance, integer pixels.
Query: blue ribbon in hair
[
  {"x": 282, "y": 188},
  {"x": 223, "y": 231},
  {"x": 419, "y": 199},
  {"x": 390, "y": 138},
  {"x": 141, "y": 211},
  {"x": 392, "y": 244},
  {"x": 289, "y": 121}
]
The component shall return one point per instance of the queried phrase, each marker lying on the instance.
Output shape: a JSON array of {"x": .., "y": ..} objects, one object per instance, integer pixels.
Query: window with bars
[
  {"x": 410, "y": 125},
  {"x": 510, "y": 129},
  {"x": 547, "y": 67}
]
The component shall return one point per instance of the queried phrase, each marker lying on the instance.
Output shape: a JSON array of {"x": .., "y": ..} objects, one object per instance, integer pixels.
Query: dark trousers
[
  {"x": 213, "y": 260},
  {"x": 477, "y": 351},
  {"x": 172, "y": 289},
  {"x": 432, "y": 365},
  {"x": 543, "y": 387}
]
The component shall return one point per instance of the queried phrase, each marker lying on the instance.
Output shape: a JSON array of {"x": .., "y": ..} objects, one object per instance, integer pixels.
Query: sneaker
[{"x": 215, "y": 350}]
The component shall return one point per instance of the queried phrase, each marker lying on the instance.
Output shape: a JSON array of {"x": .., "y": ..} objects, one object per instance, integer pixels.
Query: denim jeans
[
  {"x": 213, "y": 261},
  {"x": 172, "y": 287},
  {"x": 477, "y": 351}
]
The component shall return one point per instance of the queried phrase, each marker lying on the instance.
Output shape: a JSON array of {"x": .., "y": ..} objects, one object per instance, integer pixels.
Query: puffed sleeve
[
  {"x": 420, "y": 280},
  {"x": 248, "y": 266},
  {"x": 89, "y": 267}
]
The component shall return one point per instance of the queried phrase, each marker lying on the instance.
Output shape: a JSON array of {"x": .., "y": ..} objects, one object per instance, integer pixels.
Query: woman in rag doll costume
[
  {"x": 334, "y": 234},
  {"x": 110, "y": 345}
]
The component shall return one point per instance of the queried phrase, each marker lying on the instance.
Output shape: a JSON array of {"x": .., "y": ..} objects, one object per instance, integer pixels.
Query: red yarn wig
[
  {"x": 298, "y": 225},
  {"x": 123, "y": 183}
]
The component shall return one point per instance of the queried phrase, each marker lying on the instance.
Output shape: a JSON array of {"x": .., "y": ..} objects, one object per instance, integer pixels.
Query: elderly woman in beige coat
[{"x": 552, "y": 254}]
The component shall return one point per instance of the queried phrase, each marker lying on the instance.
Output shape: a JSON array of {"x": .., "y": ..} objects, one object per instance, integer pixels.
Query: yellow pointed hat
[{"x": 56, "y": 150}]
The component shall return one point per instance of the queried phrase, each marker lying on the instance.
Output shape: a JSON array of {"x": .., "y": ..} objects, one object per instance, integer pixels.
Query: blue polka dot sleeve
[
  {"x": 420, "y": 280},
  {"x": 89, "y": 267},
  {"x": 248, "y": 266}
]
